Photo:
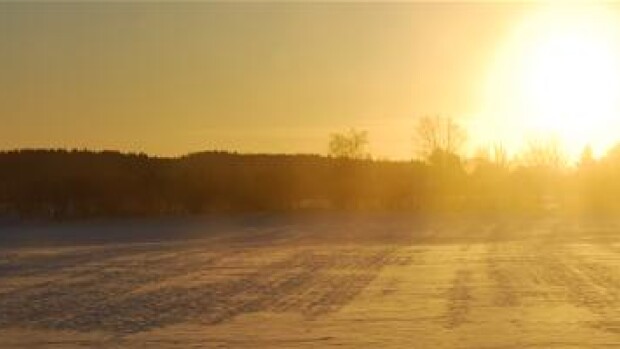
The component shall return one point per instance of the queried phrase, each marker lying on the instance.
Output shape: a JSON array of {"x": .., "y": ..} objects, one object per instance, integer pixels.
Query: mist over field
[{"x": 271, "y": 280}]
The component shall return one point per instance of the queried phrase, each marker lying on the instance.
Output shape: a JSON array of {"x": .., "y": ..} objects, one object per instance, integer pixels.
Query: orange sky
[{"x": 174, "y": 78}]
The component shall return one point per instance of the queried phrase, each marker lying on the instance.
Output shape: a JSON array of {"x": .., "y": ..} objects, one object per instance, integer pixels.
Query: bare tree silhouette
[
  {"x": 437, "y": 134},
  {"x": 494, "y": 154},
  {"x": 351, "y": 144},
  {"x": 544, "y": 153}
]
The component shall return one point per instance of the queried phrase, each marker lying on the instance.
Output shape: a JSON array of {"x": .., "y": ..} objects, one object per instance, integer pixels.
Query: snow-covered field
[{"x": 311, "y": 281}]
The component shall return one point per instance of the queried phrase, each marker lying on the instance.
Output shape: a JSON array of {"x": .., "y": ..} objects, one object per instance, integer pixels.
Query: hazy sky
[{"x": 173, "y": 78}]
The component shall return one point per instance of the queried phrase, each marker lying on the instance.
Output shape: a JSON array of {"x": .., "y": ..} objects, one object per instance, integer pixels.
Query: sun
[{"x": 559, "y": 75}]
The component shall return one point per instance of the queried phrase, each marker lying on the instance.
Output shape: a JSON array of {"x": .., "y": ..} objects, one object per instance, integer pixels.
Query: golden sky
[{"x": 170, "y": 78}]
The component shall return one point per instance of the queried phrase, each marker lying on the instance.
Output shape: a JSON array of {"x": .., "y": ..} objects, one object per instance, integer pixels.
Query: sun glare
[{"x": 559, "y": 76}]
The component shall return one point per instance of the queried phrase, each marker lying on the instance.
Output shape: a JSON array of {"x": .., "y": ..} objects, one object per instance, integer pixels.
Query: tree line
[
  {"x": 80, "y": 183},
  {"x": 63, "y": 184}
]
